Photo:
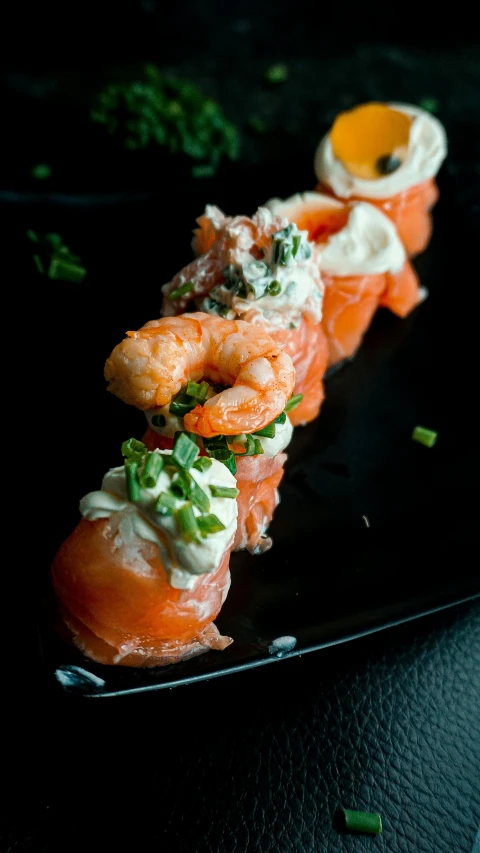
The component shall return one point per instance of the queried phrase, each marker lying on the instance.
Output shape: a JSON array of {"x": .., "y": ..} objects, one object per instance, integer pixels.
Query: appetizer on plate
[
  {"x": 227, "y": 384},
  {"x": 388, "y": 155},
  {"x": 362, "y": 263},
  {"x": 145, "y": 572},
  {"x": 264, "y": 271}
]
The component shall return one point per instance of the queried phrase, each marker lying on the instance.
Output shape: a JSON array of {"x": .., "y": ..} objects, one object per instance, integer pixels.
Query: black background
[{"x": 257, "y": 761}]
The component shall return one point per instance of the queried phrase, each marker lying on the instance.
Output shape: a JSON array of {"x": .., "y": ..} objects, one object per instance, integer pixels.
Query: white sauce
[
  {"x": 183, "y": 561},
  {"x": 427, "y": 149}
]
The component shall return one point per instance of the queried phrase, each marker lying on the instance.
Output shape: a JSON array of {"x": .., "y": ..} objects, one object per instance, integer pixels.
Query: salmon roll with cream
[
  {"x": 227, "y": 386},
  {"x": 264, "y": 271},
  {"x": 388, "y": 155},
  {"x": 145, "y": 572},
  {"x": 362, "y": 262}
]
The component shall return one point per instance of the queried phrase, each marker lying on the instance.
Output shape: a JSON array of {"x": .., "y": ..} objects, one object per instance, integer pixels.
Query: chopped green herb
[
  {"x": 281, "y": 418},
  {"x": 166, "y": 503},
  {"x": 56, "y": 258},
  {"x": 267, "y": 431},
  {"x": 62, "y": 270},
  {"x": 203, "y": 171},
  {"x": 293, "y": 402},
  {"x": 208, "y": 524},
  {"x": 223, "y": 492},
  {"x": 185, "y": 451},
  {"x": 186, "y": 522},
  {"x": 182, "y": 404},
  {"x": 131, "y": 475},
  {"x": 274, "y": 287},
  {"x": 296, "y": 244},
  {"x": 159, "y": 420},
  {"x": 38, "y": 263},
  {"x": 32, "y": 236},
  {"x": 41, "y": 172},
  {"x": 430, "y": 105},
  {"x": 133, "y": 447},
  {"x": 276, "y": 73},
  {"x": 199, "y": 391},
  {"x": 182, "y": 290},
  {"x": 361, "y": 822},
  {"x": 184, "y": 486},
  {"x": 203, "y": 463},
  {"x": 151, "y": 470},
  {"x": 257, "y": 124},
  {"x": 425, "y": 436}
]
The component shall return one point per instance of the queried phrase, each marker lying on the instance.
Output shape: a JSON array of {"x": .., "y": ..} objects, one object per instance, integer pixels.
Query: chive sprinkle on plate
[
  {"x": 424, "y": 436},
  {"x": 367, "y": 822},
  {"x": 277, "y": 73}
]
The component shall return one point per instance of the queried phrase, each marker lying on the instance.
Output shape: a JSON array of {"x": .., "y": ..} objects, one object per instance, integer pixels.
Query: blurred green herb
[
  {"x": 276, "y": 73},
  {"x": 257, "y": 124},
  {"x": 54, "y": 259},
  {"x": 41, "y": 172},
  {"x": 172, "y": 113},
  {"x": 430, "y": 105}
]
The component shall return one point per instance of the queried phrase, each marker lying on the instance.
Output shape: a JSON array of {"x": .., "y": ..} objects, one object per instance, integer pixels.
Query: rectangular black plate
[{"x": 330, "y": 576}]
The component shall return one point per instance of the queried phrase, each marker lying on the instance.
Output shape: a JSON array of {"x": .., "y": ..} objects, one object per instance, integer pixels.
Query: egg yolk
[{"x": 371, "y": 140}]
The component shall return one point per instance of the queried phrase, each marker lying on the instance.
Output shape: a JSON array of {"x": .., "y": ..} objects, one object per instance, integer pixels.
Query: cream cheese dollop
[
  {"x": 427, "y": 149},
  {"x": 183, "y": 561}
]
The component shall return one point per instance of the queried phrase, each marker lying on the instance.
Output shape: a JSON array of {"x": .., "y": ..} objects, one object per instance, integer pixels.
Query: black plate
[{"x": 331, "y": 575}]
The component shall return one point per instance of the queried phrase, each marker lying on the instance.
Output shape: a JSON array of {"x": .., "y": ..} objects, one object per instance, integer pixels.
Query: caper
[{"x": 387, "y": 163}]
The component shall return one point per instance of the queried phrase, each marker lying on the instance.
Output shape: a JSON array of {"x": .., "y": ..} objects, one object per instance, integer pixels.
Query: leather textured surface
[{"x": 258, "y": 762}]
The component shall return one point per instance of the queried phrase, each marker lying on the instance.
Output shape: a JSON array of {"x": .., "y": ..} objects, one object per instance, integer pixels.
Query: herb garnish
[
  {"x": 425, "y": 436},
  {"x": 54, "y": 259},
  {"x": 277, "y": 73}
]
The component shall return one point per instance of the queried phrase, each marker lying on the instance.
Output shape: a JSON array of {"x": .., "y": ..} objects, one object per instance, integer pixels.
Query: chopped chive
[
  {"x": 182, "y": 404},
  {"x": 293, "y": 402},
  {"x": 361, "y": 822},
  {"x": 424, "y": 436},
  {"x": 267, "y": 431},
  {"x": 159, "y": 420},
  {"x": 133, "y": 486},
  {"x": 54, "y": 240},
  {"x": 430, "y": 105},
  {"x": 186, "y": 522},
  {"x": 258, "y": 449},
  {"x": 132, "y": 447},
  {"x": 197, "y": 390},
  {"x": 182, "y": 290},
  {"x": 277, "y": 73},
  {"x": 62, "y": 270},
  {"x": 249, "y": 447},
  {"x": 281, "y": 418},
  {"x": 165, "y": 504},
  {"x": 151, "y": 470},
  {"x": 186, "y": 486},
  {"x": 223, "y": 492},
  {"x": 41, "y": 171},
  {"x": 259, "y": 125},
  {"x": 32, "y": 236},
  {"x": 274, "y": 287},
  {"x": 296, "y": 244},
  {"x": 225, "y": 456},
  {"x": 208, "y": 524},
  {"x": 203, "y": 463},
  {"x": 38, "y": 263},
  {"x": 185, "y": 451}
]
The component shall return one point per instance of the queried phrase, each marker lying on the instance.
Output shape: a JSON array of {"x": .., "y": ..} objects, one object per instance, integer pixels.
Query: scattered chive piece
[
  {"x": 293, "y": 402},
  {"x": 62, "y": 270},
  {"x": 55, "y": 259},
  {"x": 185, "y": 451},
  {"x": 203, "y": 463},
  {"x": 132, "y": 447},
  {"x": 159, "y": 420},
  {"x": 38, "y": 263},
  {"x": 257, "y": 124},
  {"x": 258, "y": 449},
  {"x": 151, "y": 470},
  {"x": 430, "y": 105},
  {"x": 203, "y": 171},
  {"x": 182, "y": 404},
  {"x": 362, "y": 822},
  {"x": 186, "y": 522},
  {"x": 267, "y": 431},
  {"x": 165, "y": 504},
  {"x": 296, "y": 244},
  {"x": 274, "y": 288},
  {"x": 32, "y": 236},
  {"x": 276, "y": 73},
  {"x": 249, "y": 447},
  {"x": 182, "y": 290},
  {"x": 197, "y": 390},
  {"x": 41, "y": 171},
  {"x": 281, "y": 418},
  {"x": 208, "y": 524},
  {"x": 223, "y": 492},
  {"x": 424, "y": 436},
  {"x": 226, "y": 456},
  {"x": 191, "y": 490},
  {"x": 133, "y": 486}
]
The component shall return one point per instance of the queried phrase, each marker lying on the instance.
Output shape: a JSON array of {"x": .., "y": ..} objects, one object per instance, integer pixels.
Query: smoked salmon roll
[
  {"x": 263, "y": 271},
  {"x": 145, "y": 572},
  {"x": 227, "y": 385},
  {"x": 363, "y": 265},
  {"x": 388, "y": 155}
]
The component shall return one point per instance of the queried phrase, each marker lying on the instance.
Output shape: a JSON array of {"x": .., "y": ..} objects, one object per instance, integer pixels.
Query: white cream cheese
[
  {"x": 183, "y": 561},
  {"x": 427, "y": 149},
  {"x": 281, "y": 439}
]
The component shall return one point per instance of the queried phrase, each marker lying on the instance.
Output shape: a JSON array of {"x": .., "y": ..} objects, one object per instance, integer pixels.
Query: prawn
[{"x": 150, "y": 366}]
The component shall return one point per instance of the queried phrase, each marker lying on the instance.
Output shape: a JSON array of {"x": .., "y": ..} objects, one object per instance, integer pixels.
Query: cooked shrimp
[{"x": 152, "y": 365}]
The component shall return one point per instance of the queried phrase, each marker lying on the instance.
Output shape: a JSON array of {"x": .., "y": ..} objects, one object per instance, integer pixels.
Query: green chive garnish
[
  {"x": 133, "y": 486},
  {"x": 132, "y": 447},
  {"x": 182, "y": 290},
  {"x": 198, "y": 390},
  {"x": 223, "y": 492},
  {"x": 281, "y": 418},
  {"x": 430, "y": 105},
  {"x": 151, "y": 470},
  {"x": 424, "y": 436},
  {"x": 293, "y": 402},
  {"x": 185, "y": 451},
  {"x": 267, "y": 431},
  {"x": 249, "y": 447},
  {"x": 38, "y": 263},
  {"x": 32, "y": 236},
  {"x": 62, "y": 270},
  {"x": 208, "y": 524},
  {"x": 185, "y": 486},
  {"x": 362, "y": 822},
  {"x": 186, "y": 522},
  {"x": 296, "y": 244},
  {"x": 203, "y": 463},
  {"x": 274, "y": 287},
  {"x": 182, "y": 404},
  {"x": 276, "y": 73},
  {"x": 166, "y": 504},
  {"x": 218, "y": 448},
  {"x": 258, "y": 449},
  {"x": 159, "y": 420},
  {"x": 41, "y": 171}
]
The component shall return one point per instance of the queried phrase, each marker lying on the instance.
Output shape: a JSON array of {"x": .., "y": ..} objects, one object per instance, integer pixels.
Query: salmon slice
[
  {"x": 118, "y": 615},
  {"x": 307, "y": 346},
  {"x": 349, "y": 305},
  {"x": 408, "y": 210}
]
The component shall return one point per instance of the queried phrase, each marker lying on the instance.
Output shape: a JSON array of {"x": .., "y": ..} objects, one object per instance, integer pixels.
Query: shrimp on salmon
[
  {"x": 262, "y": 270},
  {"x": 362, "y": 262},
  {"x": 170, "y": 369}
]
